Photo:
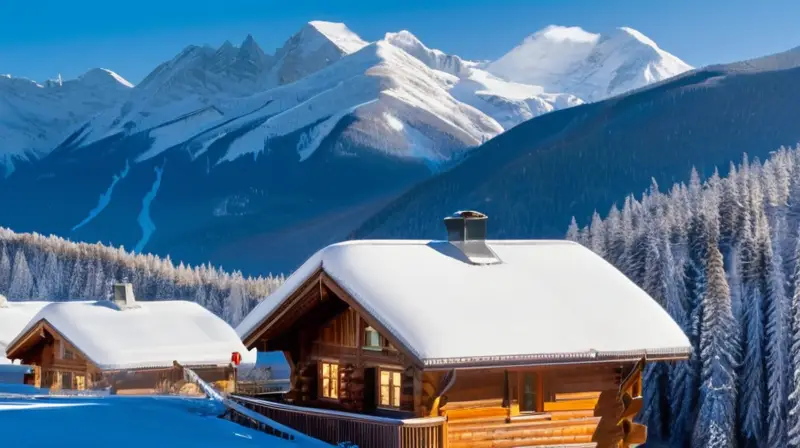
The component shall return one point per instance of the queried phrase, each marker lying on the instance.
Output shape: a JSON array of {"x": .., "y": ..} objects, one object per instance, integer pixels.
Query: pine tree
[
  {"x": 77, "y": 280},
  {"x": 5, "y": 271},
  {"x": 655, "y": 377},
  {"x": 777, "y": 340},
  {"x": 716, "y": 422},
  {"x": 21, "y": 280},
  {"x": 574, "y": 232},
  {"x": 235, "y": 306},
  {"x": 597, "y": 235},
  {"x": 751, "y": 404},
  {"x": 794, "y": 397},
  {"x": 682, "y": 380},
  {"x": 49, "y": 283},
  {"x": 695, "y": 287}
]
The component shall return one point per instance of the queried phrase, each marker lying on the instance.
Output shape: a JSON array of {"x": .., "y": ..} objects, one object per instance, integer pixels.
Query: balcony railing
[{"x": 363, "y": 430}]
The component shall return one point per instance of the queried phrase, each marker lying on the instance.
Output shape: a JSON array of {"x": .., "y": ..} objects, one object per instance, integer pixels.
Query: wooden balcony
[
  {"x": 363, "y": 430},
  {"x": 255, "y": 388}
]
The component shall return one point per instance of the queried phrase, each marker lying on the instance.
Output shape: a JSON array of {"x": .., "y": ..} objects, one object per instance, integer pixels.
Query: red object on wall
[{"x": 236, "y": 358}]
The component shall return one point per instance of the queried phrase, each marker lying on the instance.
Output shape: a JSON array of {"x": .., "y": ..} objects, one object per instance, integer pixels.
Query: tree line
[
  {"x": 722, "y": 257},
  {"x": 37, "y": 267}
]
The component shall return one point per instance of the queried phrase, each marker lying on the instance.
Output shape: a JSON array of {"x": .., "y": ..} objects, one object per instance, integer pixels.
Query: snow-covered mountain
[
  {"x": 590, "y": 66},
  {"x": 292, "y": 149},
  {"x": 34, "y": 118}
]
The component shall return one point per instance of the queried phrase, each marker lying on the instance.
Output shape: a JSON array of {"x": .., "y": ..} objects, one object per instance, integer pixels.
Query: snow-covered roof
[
  {"x": 13, "y": 318},
  {"x": 154, "y": 334},
  {"x": 547, "y": 302}
]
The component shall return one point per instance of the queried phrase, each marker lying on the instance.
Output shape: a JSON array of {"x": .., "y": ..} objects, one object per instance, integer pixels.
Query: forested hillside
[
  {"x": 532, "y": 178},
  {"x": 35, "y": 267},
  {"x": 723, "y": 258}
]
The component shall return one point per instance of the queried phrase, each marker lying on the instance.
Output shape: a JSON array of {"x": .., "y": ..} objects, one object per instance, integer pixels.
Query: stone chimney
[{"x": 123, "y": 295}]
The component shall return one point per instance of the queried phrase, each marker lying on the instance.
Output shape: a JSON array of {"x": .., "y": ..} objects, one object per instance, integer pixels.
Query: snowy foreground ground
[{"x": 122, "y": 422}]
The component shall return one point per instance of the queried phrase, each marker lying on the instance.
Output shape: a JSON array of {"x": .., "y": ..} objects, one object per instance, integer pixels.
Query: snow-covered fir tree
[
  {"x": 722, "y": 256},
  {"x": 21, "y": 279},
  {"x": 34, "y": 266},
  {"x": 794, "y": 396}
]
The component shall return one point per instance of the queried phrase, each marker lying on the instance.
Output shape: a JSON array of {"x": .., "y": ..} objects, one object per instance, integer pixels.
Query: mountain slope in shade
[
  {"x": 590, "y": 66},
  {"x": 533, "y": 178},
  {"x": 34, "y": 118}
]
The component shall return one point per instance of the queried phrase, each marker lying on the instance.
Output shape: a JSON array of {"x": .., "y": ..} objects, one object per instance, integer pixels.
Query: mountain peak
[
  {"x": 402, "y": 37},
  {"x": 102, "y": 76},
  {"x": 592, "y": 66},
  {"x": 627, "y": 36},
  {"x": 317, "y": 45},
  {"x": 435, "y": 59},
  {"x": 339, "y": 34},
  {"x": 249, "y": 43},
  {"x": 250, "y": 50},
  {"x": 560, "y": 33},
  {"x": 634, "y": 34}
]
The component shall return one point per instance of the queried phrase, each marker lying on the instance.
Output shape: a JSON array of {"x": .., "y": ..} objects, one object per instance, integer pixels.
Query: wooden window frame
[
  {"x": 366, "y": 345},
  {"x": 395, "y": 390},
  {"x": 323, "y": 393},
  {"x": 539, "y": 388},
  {"x": 79, "y": 381}
]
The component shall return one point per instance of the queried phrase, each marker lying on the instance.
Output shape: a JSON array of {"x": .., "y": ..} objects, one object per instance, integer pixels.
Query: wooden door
[
  {"x": 530, "y": 392},
  {"x": 370, "y": 389},
  {"x": 80, "y": 382}
]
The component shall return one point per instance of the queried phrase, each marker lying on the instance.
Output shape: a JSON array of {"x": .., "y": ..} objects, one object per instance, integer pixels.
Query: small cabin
[
  {"x": 463, "y": 342},
  {"x": 125, "y": 346},
  {"x": 13, "y": 318}
]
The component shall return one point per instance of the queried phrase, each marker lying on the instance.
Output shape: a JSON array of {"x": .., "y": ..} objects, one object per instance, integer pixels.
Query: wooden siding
[
  {"x": 474, "y": 385},
  {"x": 578, "y": 405},
  {"x": 341, "y": 330}
]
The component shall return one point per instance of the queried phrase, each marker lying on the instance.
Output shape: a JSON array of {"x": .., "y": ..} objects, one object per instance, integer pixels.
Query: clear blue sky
[{"x": 40, "y": 39}]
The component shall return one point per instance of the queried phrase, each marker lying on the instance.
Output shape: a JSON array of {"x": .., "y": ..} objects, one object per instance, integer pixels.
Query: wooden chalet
[
  {"x": 463, "y": 342},
  {"x": 126, "y": 347},
  {"x": 13, "y": 318}
]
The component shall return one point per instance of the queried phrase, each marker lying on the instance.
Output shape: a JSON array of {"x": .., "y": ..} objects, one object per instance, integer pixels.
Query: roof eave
[{"x": 558, "y": 359}]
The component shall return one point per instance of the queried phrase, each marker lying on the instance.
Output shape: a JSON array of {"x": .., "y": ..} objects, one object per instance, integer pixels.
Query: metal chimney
[
  {"x": 123, "y": 295},
  {"x": 467, "y": 231}
]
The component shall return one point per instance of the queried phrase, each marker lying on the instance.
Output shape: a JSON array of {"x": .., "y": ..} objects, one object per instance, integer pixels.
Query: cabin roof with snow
[
  {"x": 544, "y": 302},
  {"x": 148, "y": 335},
  {"x": 13, "y": 318}
]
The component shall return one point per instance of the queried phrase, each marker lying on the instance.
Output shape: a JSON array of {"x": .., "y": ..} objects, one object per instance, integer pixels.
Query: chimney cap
[
  {"x": 466, "y": 225},
  {"x": 466, "y": 230},
  {"x": 467, "y": 214}
]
